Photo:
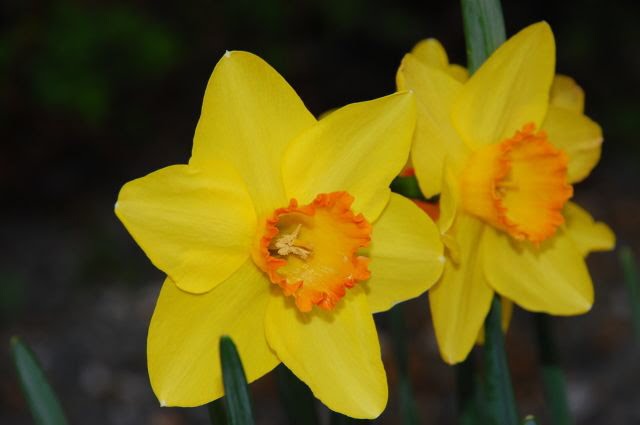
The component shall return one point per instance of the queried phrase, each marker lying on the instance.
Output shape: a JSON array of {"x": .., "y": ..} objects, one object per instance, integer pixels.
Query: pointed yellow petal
[
  {"x": 435, "y": 137},
  {"x": 458, "y": 72},
  {"x": 552, "y": 278},
  {"x": 336, "y": 353},
  {"x": 449, "y": 200},
  {"x": 249, "y": 115},
  {"x": 195, "y": 226},
  {"x": 406, "y": 255},
  {"x": 182, "y": 346},
  {"x": 578, "y": 136},
  {"x": 565, "y": 93},
  {"x": 509, "y": 90},
  {"x": 430, "y": 52},
  {"x": 587, "y": 234},
  {"x": 359, "y": 148},
  {"x": 461, "y": 299}
]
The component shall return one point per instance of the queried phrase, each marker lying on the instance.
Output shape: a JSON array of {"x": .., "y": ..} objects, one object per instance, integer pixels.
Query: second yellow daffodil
[
  {"x": 281, "y": 232},
  {"x": 503, "y": 148}
]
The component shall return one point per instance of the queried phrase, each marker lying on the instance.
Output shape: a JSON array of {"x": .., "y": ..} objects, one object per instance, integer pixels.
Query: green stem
[
  {"x": 552, "y": 375},
  {"x": 408, "y": 409},
  {"x": 483, "y": 30},
  {"x": 501, "y": 401}
]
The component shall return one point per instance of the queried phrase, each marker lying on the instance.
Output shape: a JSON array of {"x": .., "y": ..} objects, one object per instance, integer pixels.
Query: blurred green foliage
[{"x": 78, "y": 57}]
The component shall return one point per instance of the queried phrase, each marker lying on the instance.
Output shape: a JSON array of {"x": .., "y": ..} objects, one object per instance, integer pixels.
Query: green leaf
[
  {"x": 632, "y": 281},
  {"x": 299, "y": 402},
  {"x": 552, "y": 375},
  {"x": 501, "y": 401},
  {"x": 408, "y": 409},
  {"x": 43, "y": 403},
  {"x": 237, "y": 399},
  {"x": 483, "y": 30}
]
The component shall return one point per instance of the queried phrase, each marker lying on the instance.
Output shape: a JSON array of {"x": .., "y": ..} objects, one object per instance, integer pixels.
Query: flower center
[
  {"x": 311, "y": 251},
  {"x": 519, "y": 185}
]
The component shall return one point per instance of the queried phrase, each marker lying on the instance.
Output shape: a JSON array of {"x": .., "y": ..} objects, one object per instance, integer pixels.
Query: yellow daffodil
[
  {"x": 503, "y": 148},
  {"x": 282, "y": 233}
]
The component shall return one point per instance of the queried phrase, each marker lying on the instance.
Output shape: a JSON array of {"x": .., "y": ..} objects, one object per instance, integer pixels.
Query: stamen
[
  {"x": 313, "y": 251},
  {"x": 289, "y": 244}
]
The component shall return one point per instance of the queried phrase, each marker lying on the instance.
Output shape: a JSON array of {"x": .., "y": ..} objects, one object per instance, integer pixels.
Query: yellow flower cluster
[{"x": 282, "y": 232}]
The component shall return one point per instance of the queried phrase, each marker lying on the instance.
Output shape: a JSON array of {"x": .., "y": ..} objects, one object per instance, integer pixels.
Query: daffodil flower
[
  {"x": 503, "y": 148},
  {"x": 282, "y": 233}
]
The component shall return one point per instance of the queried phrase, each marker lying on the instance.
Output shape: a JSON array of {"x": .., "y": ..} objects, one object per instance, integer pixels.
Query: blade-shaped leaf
[
  {"x": 236, "y": 392},
  {"x": 42, "y": 401}
]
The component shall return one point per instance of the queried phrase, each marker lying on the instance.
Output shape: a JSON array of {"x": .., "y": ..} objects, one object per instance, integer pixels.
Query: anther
[{"x": 289, "y": 244}]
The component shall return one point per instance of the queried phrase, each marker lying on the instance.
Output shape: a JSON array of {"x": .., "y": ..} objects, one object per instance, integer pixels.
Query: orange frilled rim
[
  {"x": 519, "y": 185},
  {"x": 312, "y": 251}
]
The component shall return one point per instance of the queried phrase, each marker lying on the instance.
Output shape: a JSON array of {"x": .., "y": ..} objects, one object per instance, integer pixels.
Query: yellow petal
[
  {"x": 195, "y": 226},
  {"x": 430, "y": 52},
  {"x": 434, "y": 138},
  {"x": 461, "y": 299},
  {"x": 587, "y": 234},
  {"x": 458, "y": 72},
  {"x": 449, "y": 200},
  {"x": 359, "y": 148},
  {"x": 578, "y": 136},
  {"x": 565, "y": 93},
  {"x": 406, "y": 255},
  {"x": 336, "y": 353},
  {"x": 182, "y": 346},
  {"x": 249, "y": 115},
  {"x": 509, "y": 90},
  {"x": 552, "y": 278}
]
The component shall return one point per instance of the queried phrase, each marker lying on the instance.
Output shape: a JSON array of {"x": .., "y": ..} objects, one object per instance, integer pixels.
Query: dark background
[{"x": 96, "y": 93}]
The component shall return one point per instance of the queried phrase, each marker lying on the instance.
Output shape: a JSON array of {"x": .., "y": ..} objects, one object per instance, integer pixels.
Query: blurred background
[{"x": 96, "y": 93}]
